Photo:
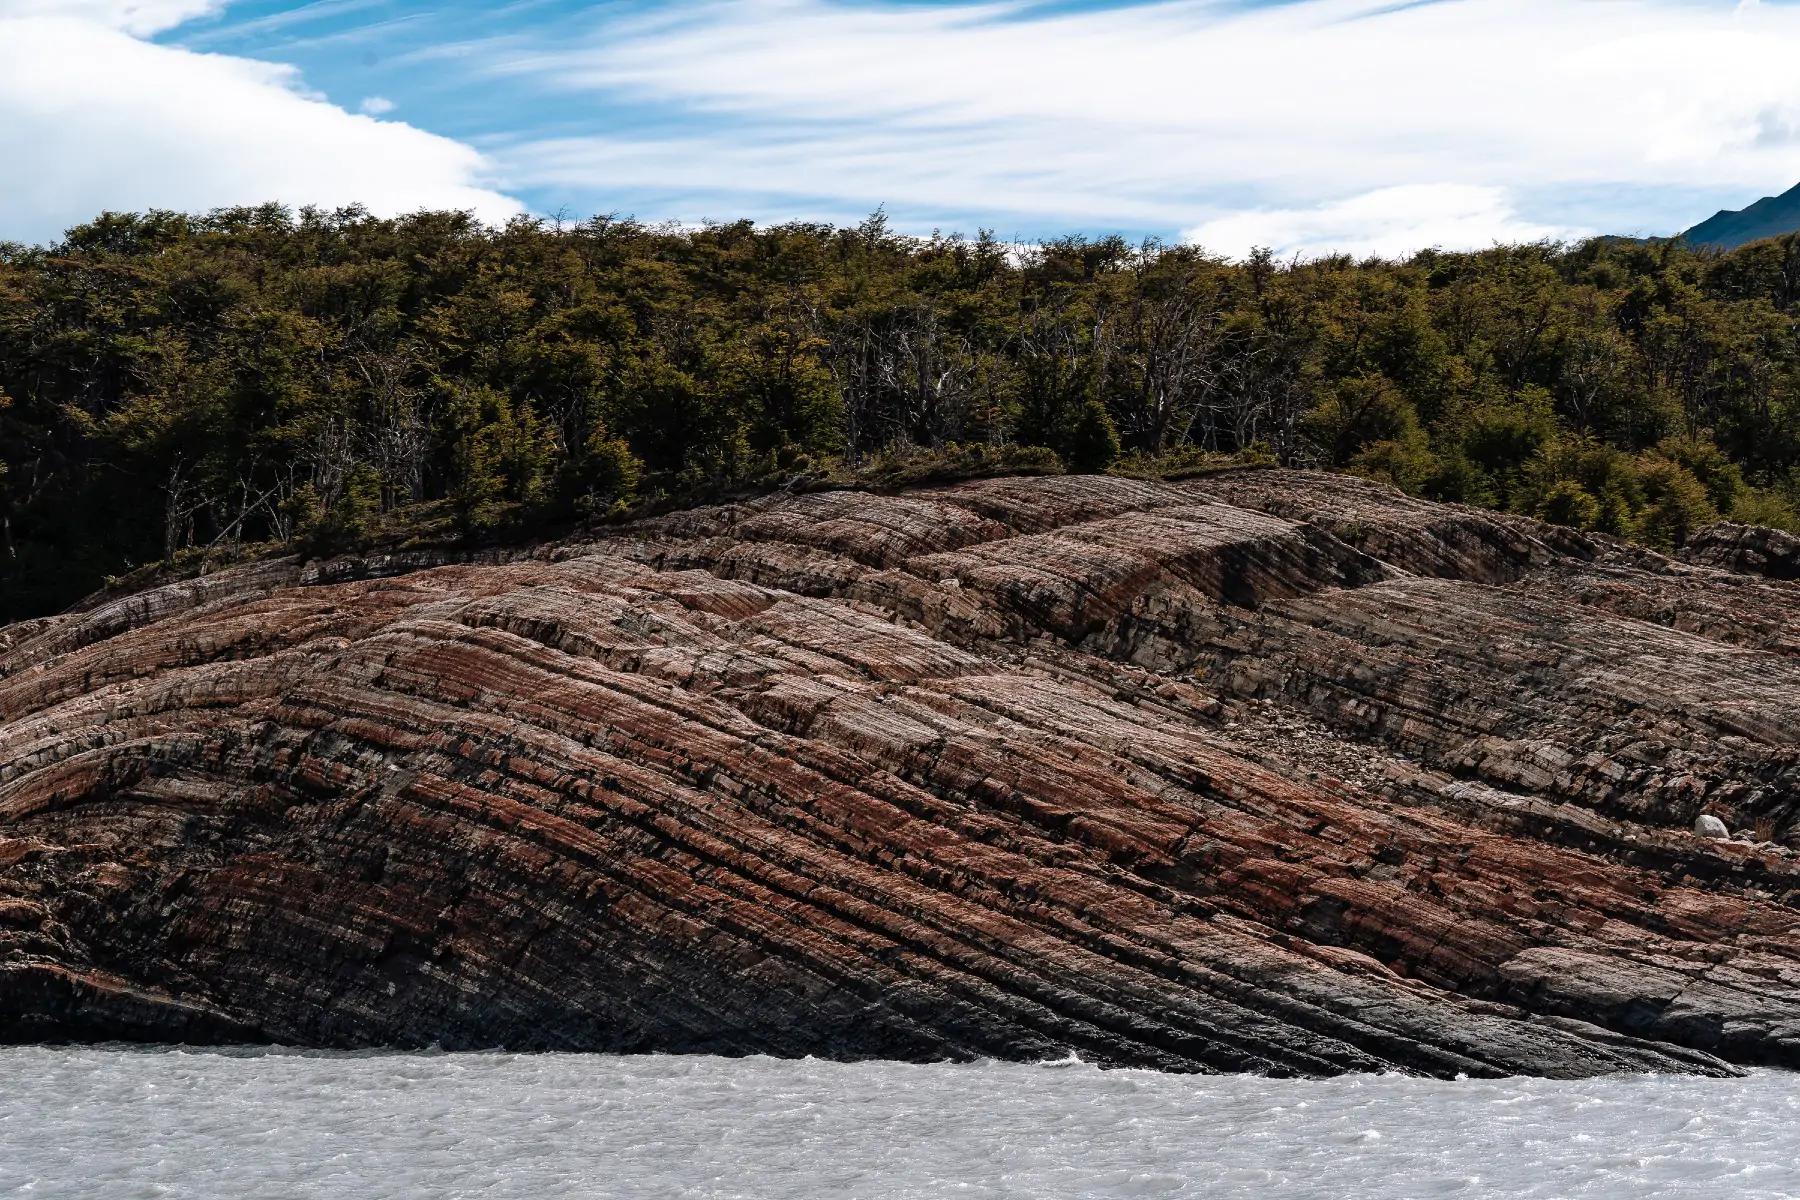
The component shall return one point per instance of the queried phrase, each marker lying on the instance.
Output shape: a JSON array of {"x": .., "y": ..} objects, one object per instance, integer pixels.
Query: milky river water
[{"x": 116, "y": 1122}]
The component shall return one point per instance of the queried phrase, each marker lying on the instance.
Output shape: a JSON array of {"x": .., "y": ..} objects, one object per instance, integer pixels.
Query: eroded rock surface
[
  {"x": 1269, "y": 771},
  {"x": 1747, "y": 549}
]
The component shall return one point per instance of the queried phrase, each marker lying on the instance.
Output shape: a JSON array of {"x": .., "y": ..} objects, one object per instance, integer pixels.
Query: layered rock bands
[{"x": 1268, "y": 771}]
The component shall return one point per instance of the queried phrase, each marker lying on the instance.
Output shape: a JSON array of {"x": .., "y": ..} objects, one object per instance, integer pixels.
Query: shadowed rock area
[{"x": 1268, "y": 771}]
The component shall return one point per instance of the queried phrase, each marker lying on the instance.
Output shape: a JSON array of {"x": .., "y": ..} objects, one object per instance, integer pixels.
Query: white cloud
[
  {"x": 1192, "y": 112},
  {"x": 139, "y": 17},
  {"x": 1392, "y": 222},
  {"x": 93, "y": 118},
  {"x": 376, "y": 106}
]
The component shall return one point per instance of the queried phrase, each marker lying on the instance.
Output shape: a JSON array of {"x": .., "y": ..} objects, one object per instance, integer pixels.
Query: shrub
[
  {"x": 1760, "y": 506},
  {"x": 1676, "y": 503},
  {"x": 1568, "y": 503},
  {"x": 1094, "y": 442}
]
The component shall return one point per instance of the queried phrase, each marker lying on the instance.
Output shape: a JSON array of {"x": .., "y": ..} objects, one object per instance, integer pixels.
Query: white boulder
[{"x": 1709, "y": 826}]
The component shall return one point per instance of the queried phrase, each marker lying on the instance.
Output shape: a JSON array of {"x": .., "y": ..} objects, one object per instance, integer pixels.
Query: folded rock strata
[{"x": 1268, "y": 771}]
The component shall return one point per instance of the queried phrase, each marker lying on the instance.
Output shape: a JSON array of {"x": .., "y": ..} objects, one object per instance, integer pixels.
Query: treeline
[{"x": 173, "y": 383}]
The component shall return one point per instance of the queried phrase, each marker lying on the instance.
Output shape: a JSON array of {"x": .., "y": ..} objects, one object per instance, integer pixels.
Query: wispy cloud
[
  {"x": 1374, "y": 124},
  {"x": 93, "y": 117},
  {"x": 1307, "y": 124}
]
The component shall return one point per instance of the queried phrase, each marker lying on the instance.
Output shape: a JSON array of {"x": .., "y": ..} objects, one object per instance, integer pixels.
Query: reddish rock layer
[{"x": 1269, "y": 771}]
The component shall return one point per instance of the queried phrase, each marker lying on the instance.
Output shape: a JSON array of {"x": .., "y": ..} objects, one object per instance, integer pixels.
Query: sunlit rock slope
[{"x": 1268, "y": 771}]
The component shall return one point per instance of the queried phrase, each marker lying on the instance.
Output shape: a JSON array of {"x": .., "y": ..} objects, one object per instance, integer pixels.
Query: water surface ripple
[{"x": 121, "y": 1122}]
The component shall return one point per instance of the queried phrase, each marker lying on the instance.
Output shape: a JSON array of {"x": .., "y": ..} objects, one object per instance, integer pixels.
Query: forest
[{"x": 175, "y": 387}]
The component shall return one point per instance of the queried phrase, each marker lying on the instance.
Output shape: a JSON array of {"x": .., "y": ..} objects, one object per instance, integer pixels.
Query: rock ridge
[{"x": 1269, "y": 771}]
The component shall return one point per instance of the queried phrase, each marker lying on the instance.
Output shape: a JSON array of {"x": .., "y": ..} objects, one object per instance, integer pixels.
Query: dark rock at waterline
[{"x": 1269, "y": 771}]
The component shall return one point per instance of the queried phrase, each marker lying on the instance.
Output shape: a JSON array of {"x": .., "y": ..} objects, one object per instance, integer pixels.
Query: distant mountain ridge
[{"x": 1771, "y": 216}]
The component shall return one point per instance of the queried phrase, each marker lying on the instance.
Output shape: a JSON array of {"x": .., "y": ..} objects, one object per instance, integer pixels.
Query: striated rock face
[
  {"x": 1269, "y": 771},
  {"x": 1747, "y": 549}
]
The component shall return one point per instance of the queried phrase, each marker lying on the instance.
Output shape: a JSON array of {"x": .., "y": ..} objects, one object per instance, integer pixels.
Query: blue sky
[{"x": 1307, "y": 125}]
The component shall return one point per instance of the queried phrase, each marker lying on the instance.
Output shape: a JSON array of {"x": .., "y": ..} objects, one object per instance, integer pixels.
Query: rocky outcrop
[
  {"x": 1267, "y": 771},
  {"x": 1746, "y": 549}
]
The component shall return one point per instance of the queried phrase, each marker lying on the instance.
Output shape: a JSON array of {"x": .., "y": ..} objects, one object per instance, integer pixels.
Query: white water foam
[{"x": 118, "y": 1122}]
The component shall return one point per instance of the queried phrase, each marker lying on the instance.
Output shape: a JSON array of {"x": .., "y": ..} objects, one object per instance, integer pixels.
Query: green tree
[
  {"x": 1676, "y": 504},
  {"x": 1568, "y": 503},
  {"x": 1093, "y": 442},
  {"x": 218, "y": 380}
]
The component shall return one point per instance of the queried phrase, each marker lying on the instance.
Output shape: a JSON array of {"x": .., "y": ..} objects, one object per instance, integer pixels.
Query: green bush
[
  {"x": 348, "y": 524},
  {"x": 1765, "y": 506},
  {"x": 1676, "y": 504},
  {"x": 1094, "y": 442},
  {"x": 1568, "y": 503}
]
